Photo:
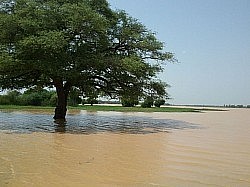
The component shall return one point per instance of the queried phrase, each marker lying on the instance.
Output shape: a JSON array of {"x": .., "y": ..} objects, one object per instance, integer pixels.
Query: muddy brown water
[{"x": 165, "y": 149}]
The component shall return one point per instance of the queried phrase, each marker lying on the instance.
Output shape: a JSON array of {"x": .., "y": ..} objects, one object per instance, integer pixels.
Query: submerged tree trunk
[{"x": 62, "y": 96}]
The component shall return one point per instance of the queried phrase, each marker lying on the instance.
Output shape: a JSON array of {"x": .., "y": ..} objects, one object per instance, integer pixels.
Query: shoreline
[{"x": 110, "y": 107}]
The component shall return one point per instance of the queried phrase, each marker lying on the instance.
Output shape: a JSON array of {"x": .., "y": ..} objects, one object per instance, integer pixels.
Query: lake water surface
[
  {"x": 88, "y": 123},
  {"x": 125, "y": 149}
]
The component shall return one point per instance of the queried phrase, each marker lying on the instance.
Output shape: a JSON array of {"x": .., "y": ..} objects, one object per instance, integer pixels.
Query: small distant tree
[
  {"x": 4, "y": 100},
  {"x": 74, "y": 97},
  {"x": 53, "y": 99},
  {"x": 91, "y": 95},
  {"x": 155, "y": 91},
  {"x": 92, "y": 101},
  {"x": 11, "y": 98},
  {"x": 159, "y": 102},
  {"x": 129, "y": 101},
  {"x": 148, "y": 102}
]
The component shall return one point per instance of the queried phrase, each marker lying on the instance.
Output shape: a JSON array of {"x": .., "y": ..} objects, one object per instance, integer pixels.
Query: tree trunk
[{"x": 62, "y": 96}]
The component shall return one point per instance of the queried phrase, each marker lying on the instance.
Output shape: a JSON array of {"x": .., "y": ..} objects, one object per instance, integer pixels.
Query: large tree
[{"x": 84, "y": 44}]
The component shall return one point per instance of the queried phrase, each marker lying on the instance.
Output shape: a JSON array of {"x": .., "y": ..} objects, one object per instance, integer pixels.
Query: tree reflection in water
[
  {"x": 86, "y": 123},
  {"x": 60, "y": 125}
]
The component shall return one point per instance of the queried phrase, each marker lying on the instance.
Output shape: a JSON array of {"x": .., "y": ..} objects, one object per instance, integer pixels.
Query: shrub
[
  {"x": 74, "y": 98},
  {"x": 11, "y": 98},
  {"x": 148, "y": 102},
  {"x": 159, "y": 102},
  {"x": 4, "y": 100},
  {"x": 92, "y": 101},
  {"x": 53, "y": 99},
  {"x": 129, "y": 101}
]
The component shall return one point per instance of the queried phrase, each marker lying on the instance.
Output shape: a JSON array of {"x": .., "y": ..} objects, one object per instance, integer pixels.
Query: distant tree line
[
  {"x": 34, "y": 97},
  {"x": 237, "y": 106},
  {"x": 148, "y": 102},
  {"x": 44, "y": 97}
]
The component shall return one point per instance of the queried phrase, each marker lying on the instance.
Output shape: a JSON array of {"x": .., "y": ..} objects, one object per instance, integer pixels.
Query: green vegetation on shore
[
  {"x": 135, "y": 109},
  {"x": 108, "y": 108}
]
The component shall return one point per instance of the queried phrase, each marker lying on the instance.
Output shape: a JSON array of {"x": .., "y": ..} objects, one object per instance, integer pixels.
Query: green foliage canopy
[{"x": 78, "y": 44}]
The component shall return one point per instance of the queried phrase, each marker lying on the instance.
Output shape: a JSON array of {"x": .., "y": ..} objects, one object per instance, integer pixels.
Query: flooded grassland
[{"x": 126, "y": 149}]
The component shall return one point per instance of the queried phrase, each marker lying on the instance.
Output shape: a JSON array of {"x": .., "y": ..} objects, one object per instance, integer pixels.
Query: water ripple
[{"x": 84, "y": 123}]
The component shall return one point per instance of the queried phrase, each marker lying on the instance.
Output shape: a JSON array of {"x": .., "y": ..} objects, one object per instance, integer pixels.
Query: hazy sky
[{"x": 211, "y": 39}]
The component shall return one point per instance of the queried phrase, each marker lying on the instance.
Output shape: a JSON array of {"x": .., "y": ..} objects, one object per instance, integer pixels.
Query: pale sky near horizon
[{"x": 211, "y": 39}]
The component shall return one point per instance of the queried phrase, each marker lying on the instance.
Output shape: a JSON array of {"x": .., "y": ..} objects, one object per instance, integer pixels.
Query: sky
[{"x": 210, "y": 39}]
